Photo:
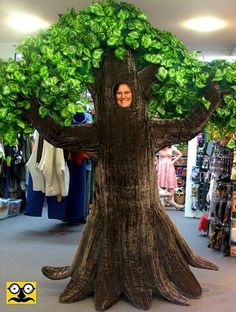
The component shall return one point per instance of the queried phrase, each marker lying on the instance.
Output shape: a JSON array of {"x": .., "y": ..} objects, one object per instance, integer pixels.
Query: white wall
[
  {"x": 7, "y": 50},
  {"x": 192, "y": 158}
]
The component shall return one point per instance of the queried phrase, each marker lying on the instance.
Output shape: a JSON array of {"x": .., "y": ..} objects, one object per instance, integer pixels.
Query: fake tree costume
[{"x": 130, "y": 246}]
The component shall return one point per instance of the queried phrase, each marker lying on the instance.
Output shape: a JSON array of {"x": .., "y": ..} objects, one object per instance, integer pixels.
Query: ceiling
[{"x": 163, "y": 14}]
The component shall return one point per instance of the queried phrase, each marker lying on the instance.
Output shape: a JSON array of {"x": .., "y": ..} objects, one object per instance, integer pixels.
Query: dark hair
[{"x": 116, "y": 87}]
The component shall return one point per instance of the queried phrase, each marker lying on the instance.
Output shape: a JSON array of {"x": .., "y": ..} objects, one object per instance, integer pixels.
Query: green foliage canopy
[{"x": 57, "y": 67}]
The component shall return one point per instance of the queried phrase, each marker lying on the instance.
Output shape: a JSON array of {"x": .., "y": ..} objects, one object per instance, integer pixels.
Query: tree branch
[
  {"x": 93, "y": 91},
  {"x": 82, "y": 138},
  {"x": 168, "y": 132},
  {"x": 146, "y": 78}
]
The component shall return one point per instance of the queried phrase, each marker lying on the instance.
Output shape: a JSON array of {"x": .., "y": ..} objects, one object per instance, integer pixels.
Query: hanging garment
[
  {"x": 47, "y": 168},
  {"x": 35, "y": 203},
  {"x": 166, "y": 170},
  {"x": 2, "y": 152},
  {"x": 54, "y": 170},
  {"x": 77, "y": 206},
  {"x": 32, "y": 165},
  {"x": 34, "y": 200}
]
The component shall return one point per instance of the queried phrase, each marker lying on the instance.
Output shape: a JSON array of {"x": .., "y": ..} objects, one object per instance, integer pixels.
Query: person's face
[{"x": 124, "y": 95}]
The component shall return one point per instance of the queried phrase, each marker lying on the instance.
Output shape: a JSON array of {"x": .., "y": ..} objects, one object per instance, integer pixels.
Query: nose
[{"x": 21, "y": 294}]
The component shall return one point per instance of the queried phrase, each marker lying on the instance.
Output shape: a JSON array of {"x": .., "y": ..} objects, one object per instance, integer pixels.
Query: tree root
[
  {"x": 56, "y": 273},
  {"x": 110, "y": 268},
  {"x": 141, "y": 298},
  {"x": 102, "y": 302},
  {"x": 169, "y": 292},
  {"x": 191, "y": 258},
  {"x": 75, "y": 291}
]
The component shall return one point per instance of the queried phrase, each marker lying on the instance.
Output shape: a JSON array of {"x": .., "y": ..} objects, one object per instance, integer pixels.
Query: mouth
[{"x": 21, "y": 299}]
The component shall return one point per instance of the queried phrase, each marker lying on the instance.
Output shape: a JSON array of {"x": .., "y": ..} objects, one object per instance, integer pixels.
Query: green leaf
[
  {"x": 21, "y": 124},
  {"x": 123, "y": 14},
  {"x": 169, "y": 95},
  {"x": 97, "y": 54},
  {"x": 153, "y": 58},
  {"x": 54, "y": 89},
  {"x": 142, "y": 16},
  {"x": 230, "y": 100},
  {"x": 161, "y": 73},
  {"x": 43, "y": 112},
  {"x": 231, "y": 144},
  {"x": 219, "y": 74},
  {"x": 200, "y": 84},
  {"x": 15, "y": 88},
  {"x": 47, "y": 51},
  {"x": 71, "y": 70},
  {"x": 26, "y": 105},
  {"x": 230, "y": 74},
  {"x": 146, "y": 41},
  {"x": 115, "y": 39},
  {"x": 19, "y": 76},
  {"x": 64, "y": 112},
  {"x": 96, "y": 63},
  {"x": 232, "y": 123},
  {"x": 223, "y": 111},
  {"x": 156, "y": 44},
  {"x": 161, "y": 110},
  {"x": 97, "y": 9},
  {"x": 3, "y": 113},
  {"x": 67, "y": 122},
  {"x": 28, "y": 130},
  {"x": 6, "y": 90},
  {"x": 10, "y": 67},
  {"x": 206, "y": 103},
  {"x": 179, "y": 109},
  {"x": 171, "y": 72},
  {"x": 120, "y": 53},
  {"x": 8, "y": 158},
  {"x": 109, "y": 11},
  {"x": 87, "y": 52},
  {"x": 43, "y": 71}
]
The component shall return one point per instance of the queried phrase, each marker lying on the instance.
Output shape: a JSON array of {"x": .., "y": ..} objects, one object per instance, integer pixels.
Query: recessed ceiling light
[
  {"x": 204, "y": 24},
  {"x": 27, "y": 23}
]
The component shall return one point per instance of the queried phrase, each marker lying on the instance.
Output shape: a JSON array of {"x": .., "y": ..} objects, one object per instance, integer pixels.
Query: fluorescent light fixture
[
  {"x": 218, "y": 57},
  {"x": 27, "y": 23},
  {"x": 204, "y": 24}
]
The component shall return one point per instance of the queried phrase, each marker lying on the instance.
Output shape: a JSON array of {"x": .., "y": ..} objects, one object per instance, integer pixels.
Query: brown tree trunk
[{"x": 130, "y": 246}]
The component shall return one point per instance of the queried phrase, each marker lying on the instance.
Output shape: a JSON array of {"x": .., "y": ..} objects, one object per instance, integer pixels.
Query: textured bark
[
  {"x": 83, "y": 138},
  {"x": 172, "y": 131},
  {"x": 130, "y": 247}
]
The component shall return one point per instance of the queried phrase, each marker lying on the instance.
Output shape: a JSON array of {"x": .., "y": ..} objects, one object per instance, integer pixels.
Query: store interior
[{"x": 34, "y": 235}]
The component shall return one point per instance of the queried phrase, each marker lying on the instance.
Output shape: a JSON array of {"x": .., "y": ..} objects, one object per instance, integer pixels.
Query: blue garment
[
  {"x": 82, "y": 118},
  {"x": 35, "y": 203},
  {"x": 77, "y": 198},
  {"x": 74, "y": 207}
]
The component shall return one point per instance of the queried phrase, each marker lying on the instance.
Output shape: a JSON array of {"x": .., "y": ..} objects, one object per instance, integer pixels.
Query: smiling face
[{"x": 123, "y": 95}]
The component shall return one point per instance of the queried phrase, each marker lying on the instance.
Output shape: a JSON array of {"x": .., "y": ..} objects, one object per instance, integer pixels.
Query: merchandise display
[
  {"x": 212, "y": 193},
  {"x": 62, "y": 180},
  {"x": 130, "y": 247},
  {"x": 13, "y": 177},
  {"x": 181, "y": 173}
]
